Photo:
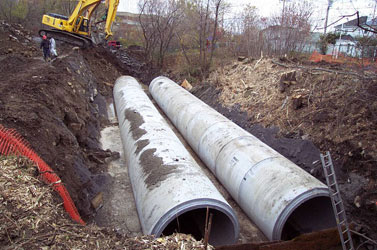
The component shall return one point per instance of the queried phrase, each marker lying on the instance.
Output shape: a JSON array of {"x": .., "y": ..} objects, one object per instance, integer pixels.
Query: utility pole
[
  {"x": 282, "y": 26},
  {"x": 283, "y": 12},
  {"x": 330, "y": 2}
]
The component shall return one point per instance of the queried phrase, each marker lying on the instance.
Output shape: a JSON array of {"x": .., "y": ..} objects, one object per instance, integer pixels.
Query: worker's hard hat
[{"x": 44, "y": 37}]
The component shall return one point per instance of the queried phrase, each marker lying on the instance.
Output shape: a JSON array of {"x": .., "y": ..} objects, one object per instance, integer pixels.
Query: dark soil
[
  {"x": 60, "y": 106},
  {"x": 154, "y": 168},
  {"x": 136, "y": 121}
]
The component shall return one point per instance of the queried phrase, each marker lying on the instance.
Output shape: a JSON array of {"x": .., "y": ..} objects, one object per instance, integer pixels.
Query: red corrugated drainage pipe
[{"x": 11, "y": 143}]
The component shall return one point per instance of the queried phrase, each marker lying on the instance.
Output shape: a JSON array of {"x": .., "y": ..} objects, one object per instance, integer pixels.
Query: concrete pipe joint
[
  {"x": 281, "y": 198},
  {"x": 172, "y": 193}
]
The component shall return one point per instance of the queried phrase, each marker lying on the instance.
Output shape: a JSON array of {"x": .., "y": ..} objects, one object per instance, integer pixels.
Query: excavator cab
[{"x": 83, "y": 25}]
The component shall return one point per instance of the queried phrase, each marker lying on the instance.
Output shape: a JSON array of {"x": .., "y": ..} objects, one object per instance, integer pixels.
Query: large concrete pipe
[
  {"x": 172, "y": 193},
  {"x": 281, "y": 198}
]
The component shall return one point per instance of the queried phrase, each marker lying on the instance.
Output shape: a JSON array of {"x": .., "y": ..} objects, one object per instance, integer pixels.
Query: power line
[
  {"x": 338, "y": 20},
  {"x": 238, "y": 5},
  {"x": 351, "y": 8}
]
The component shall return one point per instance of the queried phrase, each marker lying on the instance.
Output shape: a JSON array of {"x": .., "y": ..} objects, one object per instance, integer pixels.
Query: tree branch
[{"x": 373, "y": 30}]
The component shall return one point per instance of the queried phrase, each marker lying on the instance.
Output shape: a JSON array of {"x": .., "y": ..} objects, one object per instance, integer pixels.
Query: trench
[
  {"x": 312, "y": 215},
  {"x": 119, "y": 209},
  {"x": 249, "y": 232},
  {"x": 166, "y": 180}
]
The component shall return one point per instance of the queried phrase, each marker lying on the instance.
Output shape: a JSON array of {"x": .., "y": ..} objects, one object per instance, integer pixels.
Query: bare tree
[
  {"x": 280, "y": 34},
  {"x": 67, "y": 6},
  {"x": 330, "y": 2},
  {"x": 7, "y": 9},
  {"x": 251, "y": 30},
  {"x": 29, "y": 12},
  {"x": 217, "y": 6},
  {"x": 158, "y": 20},
  {"x": 202, "y": 27},
  {"x": 289, "y": 33}
]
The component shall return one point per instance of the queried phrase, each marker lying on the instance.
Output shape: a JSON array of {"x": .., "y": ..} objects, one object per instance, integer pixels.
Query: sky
[{"x": 270, "y": 7}]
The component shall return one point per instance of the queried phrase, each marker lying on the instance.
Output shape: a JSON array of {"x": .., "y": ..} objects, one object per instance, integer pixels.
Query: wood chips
[
  {"x": 323, "y": 104},
  {"x": 32, "y": 217}
]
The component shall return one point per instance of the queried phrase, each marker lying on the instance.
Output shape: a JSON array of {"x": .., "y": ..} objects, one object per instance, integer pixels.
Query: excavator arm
[
  {"x": 111, "y": 13},
  {"x": 77, "y": 25}
]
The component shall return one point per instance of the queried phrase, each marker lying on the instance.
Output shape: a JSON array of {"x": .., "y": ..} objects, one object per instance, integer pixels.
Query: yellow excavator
[{"x": 76, "y": 29}]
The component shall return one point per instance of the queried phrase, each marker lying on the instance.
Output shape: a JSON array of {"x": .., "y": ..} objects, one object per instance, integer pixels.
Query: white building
[
  {"x": 351, "y": 28},
  {"x": 349, "y": 31}
]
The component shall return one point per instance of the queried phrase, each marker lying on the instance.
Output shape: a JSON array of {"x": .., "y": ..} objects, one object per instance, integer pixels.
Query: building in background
[
  {"x": 127, "y": 28},
  {"x": 350, "y": 32}
]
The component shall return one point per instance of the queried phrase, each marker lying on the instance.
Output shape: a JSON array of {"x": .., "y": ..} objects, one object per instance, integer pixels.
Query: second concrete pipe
[
  {"x": 281, "y": 198},
  {"x": 171, "y": 191}
]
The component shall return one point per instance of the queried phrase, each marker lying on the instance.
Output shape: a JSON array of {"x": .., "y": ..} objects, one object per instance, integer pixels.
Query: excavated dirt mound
[
  {"x": 302, "y": 110},
  {"x": 60, "y": 106}
]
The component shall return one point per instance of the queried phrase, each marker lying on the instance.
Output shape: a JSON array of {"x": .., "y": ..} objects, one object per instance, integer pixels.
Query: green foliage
[
  {"x": 128, "y": 42},
  {"x": 20, "y": 10},
  {"x": 26, "y": 12},
  {"x": 322, "y": 44},
  {"x": 325, "y": 39},
  {"x": 14, "y": 11},
  {"x": 331, "y": 37},
  {"x": 29, "y": 12},
  {"x": 6, "y": 7},
  {"x": 129, "y": 36}
]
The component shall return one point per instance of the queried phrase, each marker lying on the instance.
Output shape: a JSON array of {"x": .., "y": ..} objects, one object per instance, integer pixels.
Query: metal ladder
[{"x": 337, "y": 203}]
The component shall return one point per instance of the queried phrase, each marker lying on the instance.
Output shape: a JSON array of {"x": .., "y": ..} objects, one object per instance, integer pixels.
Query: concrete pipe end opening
[
  {"x": 190, "y": 217},
  {"x": 310, "y": 212}
]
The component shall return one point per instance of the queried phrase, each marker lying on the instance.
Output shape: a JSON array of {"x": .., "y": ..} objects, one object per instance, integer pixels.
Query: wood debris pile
[
  {"x": 32, "y": 217},
  {"x": 257, "y": 87},
  {"x": 333, "y": 106},
  {"x": 321, "y": 104}
]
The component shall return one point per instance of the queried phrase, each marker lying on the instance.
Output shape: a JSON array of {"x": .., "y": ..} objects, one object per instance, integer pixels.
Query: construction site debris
[
  {"x": 185, "y": 84},
  {"x": 369, "y": 75},
  {"x": 11, "y": 143},
  {"x": 326, "y": 239},
  {"x": 33, "y": 218}
]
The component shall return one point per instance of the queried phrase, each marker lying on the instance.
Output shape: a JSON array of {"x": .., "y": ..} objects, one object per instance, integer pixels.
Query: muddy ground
[{"x": 60, "y": 107}]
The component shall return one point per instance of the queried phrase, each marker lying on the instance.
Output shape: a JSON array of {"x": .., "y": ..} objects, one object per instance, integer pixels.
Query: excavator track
[{"x": 82, "y": 42}]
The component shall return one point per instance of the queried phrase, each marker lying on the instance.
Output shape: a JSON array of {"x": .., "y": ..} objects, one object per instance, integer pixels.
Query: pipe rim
[
  {"x": 187, "y": 206},
  {"x": 291, "y": 207}
]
